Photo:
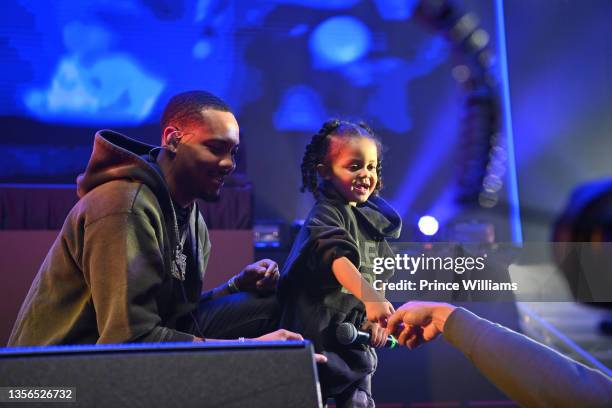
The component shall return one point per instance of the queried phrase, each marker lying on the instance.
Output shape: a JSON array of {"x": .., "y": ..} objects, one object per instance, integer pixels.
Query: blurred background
[{"x": 491, "y": 112}]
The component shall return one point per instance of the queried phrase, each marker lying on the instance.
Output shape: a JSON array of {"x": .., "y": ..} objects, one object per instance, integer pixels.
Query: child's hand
[
  {"x": 379, "y": 311},
  {"x": 378, "y": 336}
]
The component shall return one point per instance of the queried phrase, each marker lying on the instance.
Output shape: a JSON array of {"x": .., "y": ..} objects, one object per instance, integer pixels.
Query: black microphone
[{"x": 347, "y": 334}]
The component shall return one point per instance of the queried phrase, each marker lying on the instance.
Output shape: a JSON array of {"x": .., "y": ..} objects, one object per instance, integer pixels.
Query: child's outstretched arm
[{"x": 378, "y": 309}]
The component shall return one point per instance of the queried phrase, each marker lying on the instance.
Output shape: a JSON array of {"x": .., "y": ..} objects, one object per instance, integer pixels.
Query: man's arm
[
  {"x": 219, "y": 291},
  {"x": 261, "y": 276},
  {"x": 527, "y": 371}
]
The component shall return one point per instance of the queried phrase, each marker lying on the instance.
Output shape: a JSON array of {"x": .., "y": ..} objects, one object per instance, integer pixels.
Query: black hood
[{"x": 382, "y": 220}]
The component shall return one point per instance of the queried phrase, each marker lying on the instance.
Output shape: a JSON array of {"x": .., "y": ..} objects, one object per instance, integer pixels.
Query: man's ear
[
  {"x": 323, "y": 171},
  {"x": 171, "y": 138}
]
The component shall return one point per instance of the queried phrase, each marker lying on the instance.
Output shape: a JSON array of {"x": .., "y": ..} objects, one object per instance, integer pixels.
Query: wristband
[{"x": 231, "y": 285}]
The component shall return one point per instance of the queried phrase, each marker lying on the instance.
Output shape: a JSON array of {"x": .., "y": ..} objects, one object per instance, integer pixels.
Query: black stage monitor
[{"x": 249, "y": 374}]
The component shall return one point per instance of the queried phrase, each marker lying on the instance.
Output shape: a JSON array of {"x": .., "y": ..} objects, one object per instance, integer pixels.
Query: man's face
[
  {"x": 206, "y": 154},
  {"x": 352, "y": 167}
]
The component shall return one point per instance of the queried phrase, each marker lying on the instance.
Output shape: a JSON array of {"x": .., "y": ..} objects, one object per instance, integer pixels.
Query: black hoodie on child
[{"x": 314, "y": 303}]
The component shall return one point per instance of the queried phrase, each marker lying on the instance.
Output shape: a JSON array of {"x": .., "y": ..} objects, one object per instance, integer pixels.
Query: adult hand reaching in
[{"x": 415, "y": 323}]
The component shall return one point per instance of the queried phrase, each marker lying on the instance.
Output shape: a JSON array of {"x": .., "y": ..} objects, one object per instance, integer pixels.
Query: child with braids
[{"x": 327, "y": 278}]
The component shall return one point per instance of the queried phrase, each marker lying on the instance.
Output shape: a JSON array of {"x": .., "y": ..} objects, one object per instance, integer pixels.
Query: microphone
[{"x": 347, "y": 334}]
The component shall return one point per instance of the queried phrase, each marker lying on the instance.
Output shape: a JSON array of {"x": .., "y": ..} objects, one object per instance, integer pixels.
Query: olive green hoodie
[{"x": 108, "y": 277}]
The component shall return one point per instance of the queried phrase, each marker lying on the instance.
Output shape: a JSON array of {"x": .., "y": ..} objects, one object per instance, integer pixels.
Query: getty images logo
[{"x": 413, "y": 264}]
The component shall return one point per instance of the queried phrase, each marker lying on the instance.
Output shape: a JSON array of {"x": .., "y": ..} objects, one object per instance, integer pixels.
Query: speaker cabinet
[{"x": 276, "y": 374}]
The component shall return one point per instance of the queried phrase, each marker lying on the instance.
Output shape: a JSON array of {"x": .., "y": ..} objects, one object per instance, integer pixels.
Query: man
[
  {"x": 527, "y": 371},
  {"x": 129, "y": 261}
]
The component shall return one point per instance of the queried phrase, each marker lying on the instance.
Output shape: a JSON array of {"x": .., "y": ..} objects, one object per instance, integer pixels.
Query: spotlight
[{"x": 428, "y": 225}]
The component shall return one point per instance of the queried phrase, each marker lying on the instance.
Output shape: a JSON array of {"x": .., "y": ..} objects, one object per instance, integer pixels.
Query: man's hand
[
  {"x": 378, "y": 335},
  {"x": 280, "y": 335},
  {"x": 378, "y": 311},
  {"x": 261, "y": 276},
  {"x": 415, "y": 323},
  {"x": 284, "y": 335}
]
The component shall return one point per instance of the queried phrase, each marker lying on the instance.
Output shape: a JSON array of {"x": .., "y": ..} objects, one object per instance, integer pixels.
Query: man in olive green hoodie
[{"x": 129, "y": 261}]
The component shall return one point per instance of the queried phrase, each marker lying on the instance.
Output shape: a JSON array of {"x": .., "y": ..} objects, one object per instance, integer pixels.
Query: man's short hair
[{"x": 188, "y": 106}]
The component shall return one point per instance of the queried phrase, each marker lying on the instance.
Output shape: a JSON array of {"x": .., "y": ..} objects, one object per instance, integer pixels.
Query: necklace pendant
[{"x": 180, "y": 266}]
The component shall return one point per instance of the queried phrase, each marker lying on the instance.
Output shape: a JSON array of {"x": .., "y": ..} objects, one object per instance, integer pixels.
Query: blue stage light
[
  {"x": 321, "y": 4},
  {"x": 338, "y": 41},
  {"x": 201, "y": 49},
  {"x": 300, "y": 110},
  {"x": 298, "y": 30},
  {"x": 395, "y": 9},
  {"x": 114, "y": 89}
]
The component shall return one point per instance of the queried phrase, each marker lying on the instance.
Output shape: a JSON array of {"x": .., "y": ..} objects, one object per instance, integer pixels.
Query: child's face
[{"x": 352, "y": 168}]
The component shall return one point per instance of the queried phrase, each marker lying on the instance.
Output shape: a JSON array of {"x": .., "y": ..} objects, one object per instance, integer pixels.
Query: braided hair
[{"x": 318, "y": 149}]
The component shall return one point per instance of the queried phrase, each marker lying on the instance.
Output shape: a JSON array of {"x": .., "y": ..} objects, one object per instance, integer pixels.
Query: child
[{"x": 327, "y": 278}]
